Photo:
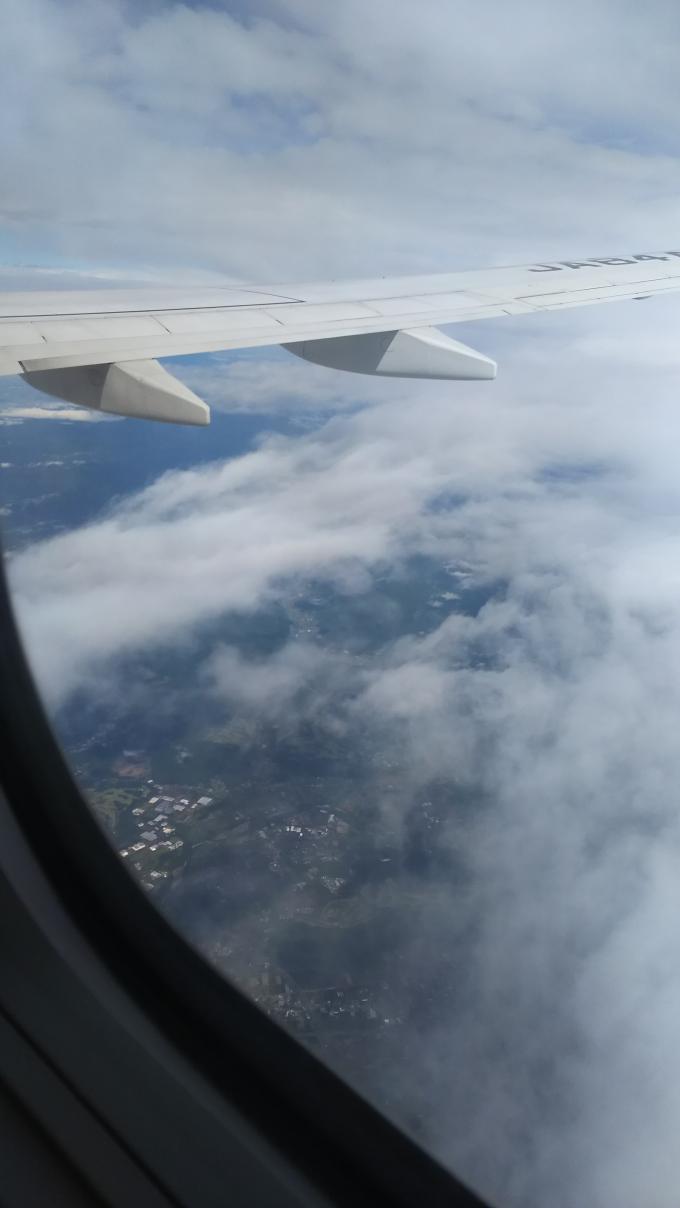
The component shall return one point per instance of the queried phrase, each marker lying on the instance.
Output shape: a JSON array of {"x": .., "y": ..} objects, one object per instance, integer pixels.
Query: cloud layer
[{"x": 278, "y": 143}]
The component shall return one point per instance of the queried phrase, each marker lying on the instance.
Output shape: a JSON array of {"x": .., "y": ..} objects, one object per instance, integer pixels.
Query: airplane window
[{"x": 373, "y": 682}]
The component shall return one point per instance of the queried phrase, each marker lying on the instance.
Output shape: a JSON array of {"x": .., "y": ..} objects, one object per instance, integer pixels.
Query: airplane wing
[{"x": 98, "y": 348}]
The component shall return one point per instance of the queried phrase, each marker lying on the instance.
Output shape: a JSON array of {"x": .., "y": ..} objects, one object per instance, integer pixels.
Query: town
[{"x": 296, "y": 864}]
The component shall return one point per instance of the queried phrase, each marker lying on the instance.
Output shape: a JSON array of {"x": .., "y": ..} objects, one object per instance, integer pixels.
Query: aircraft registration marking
[{"x": 602, "y": 262}]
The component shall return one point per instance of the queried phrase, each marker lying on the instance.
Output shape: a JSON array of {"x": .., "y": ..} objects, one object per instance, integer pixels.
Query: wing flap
[
  {"x": 14, "y": 335},
  {"x": 219, "y": 322},
  {"x": 101, "y": 327},
  {"x": 601, "y": 293}
]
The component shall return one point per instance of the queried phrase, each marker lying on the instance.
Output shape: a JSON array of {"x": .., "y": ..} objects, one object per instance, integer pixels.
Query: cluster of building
[
  {"x": 157, "y": 825},
  {"x": 305, "y": 1009}
]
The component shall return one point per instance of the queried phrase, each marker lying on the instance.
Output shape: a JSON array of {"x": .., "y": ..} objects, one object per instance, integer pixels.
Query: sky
[{"x": 289, "y": 139}]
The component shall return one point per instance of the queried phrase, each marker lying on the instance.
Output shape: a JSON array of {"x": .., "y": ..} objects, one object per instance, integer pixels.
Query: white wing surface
[{"x": 99, "y": 347}]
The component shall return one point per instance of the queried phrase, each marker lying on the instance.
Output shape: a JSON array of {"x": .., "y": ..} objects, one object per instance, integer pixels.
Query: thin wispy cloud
[{"x": 73, "y": 414}]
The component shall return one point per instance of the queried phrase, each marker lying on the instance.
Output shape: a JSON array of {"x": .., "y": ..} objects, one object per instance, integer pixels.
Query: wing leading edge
[{"x": 381, "y": 326}]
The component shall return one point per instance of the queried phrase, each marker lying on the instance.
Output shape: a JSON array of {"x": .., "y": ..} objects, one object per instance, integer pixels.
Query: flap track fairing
[
  {"x": 143, "y": 389},
  {"x": 424, "y": 352}
]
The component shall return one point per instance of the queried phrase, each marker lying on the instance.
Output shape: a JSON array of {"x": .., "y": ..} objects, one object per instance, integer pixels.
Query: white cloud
[
  {"x": 568, "y": 728},
  {"x": 280, "y": 382},
  {"x": 301, "y": 679},
  {"x": 75, "y": 414}
]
